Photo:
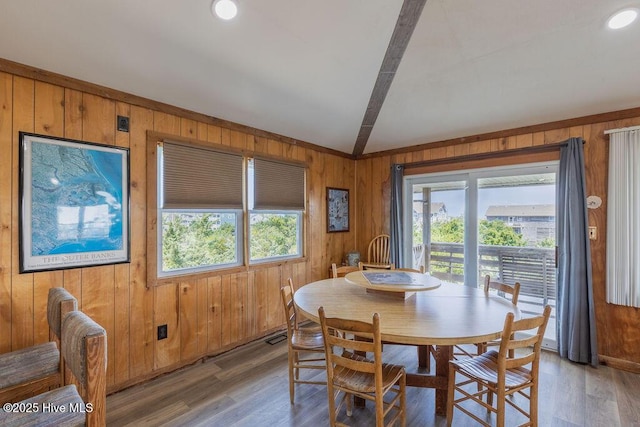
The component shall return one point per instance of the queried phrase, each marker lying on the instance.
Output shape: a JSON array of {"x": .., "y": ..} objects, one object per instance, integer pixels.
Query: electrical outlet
[{"x": 162, "y": 332}]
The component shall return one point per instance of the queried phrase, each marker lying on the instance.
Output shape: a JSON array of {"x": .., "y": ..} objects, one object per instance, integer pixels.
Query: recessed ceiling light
[
  {"x": 224, "y": 9},
  {"x": 622, "y": 18}
]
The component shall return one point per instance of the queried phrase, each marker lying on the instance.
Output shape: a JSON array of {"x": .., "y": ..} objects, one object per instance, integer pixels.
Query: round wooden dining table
[{"x": 443, "y": 317}]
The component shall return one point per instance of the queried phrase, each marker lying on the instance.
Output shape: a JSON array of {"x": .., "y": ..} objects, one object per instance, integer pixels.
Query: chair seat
[
  {"x": 365, "y": 382},
  {"x": 485, "y": 367},
  {"x": 50, "y": 412},
  {"x": 29, "y": 364},
  {"x": 307, "y": 339}
]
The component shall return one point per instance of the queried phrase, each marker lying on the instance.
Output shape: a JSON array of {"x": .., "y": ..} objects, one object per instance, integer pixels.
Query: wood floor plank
[
  {"x": 628, "y": 396},
  {"x": 248, "y": 386}
]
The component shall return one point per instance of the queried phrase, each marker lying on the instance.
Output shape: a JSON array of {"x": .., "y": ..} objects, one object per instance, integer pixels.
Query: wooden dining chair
[
  {"x": 372, "y": 266},
  {"x": 492, "y": 287},
  {"x": 506, "y": 291},
  {"x": 342, "y": 271},
  {"x": 412, "y": 270},
  {"x": 495, "y": 373},
  {"x": 300, "y": 341},
  {"x": 378, "y": 253},
  {"x": 83, "y": 402},
  {"x": 350, "y": 374},
  {"x": 32, "y": 370}
]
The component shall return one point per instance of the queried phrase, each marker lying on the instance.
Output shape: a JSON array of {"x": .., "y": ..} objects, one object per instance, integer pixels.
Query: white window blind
[
  {"x": 623, "y": 218},
  {"x": 200, "y": 178},
  {"x": 278, "y": 185}
]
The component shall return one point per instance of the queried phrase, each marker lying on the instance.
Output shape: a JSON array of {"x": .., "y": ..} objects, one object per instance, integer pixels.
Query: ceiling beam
[{"x": 407, "y": 20}]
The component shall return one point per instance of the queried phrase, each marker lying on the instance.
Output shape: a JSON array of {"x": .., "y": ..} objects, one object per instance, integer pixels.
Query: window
[
  {"x": 276, "y": 205},
  {"x": 199, "y": 209},
  {"x": 203, "y": 223},
  {"x": 199, "y": 240}
]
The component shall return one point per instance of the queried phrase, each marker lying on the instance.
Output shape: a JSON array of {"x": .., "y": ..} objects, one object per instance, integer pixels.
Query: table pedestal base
[
  {"x": 439, "y": 381},
  {"x": 392, "y": 294}
]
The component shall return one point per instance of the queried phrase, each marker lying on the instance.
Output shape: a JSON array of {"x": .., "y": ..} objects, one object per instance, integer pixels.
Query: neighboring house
[
  {"x": 438, "y": 211},
  {"x": 534, "y": 222}
]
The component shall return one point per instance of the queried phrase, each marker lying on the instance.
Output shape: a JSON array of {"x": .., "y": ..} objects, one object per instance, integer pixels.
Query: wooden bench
[
  {"x": 84, "y": 351},
  {"x": 32, "y": 370}
]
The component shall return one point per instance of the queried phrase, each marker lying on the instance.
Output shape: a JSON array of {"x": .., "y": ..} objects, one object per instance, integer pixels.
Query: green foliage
[
  {"x": 497, "y": 233},
  {"x": 198, "y": 240},
  {"x": 549, "y": 242},
  {"x": 417, "y": 233},
  {"x": 273, "y": 235},
  {"x": 448, "y": 231},
  {"x": 206, "y": 239}
]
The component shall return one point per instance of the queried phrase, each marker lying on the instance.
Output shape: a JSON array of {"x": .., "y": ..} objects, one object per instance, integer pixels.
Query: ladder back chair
[
  {"x": 412, "y": 270},
  {"x": 341, "y": 271},
  {"x": 497, "y": 374},
  {"x": 511, "y": 292},
  {"x": 351, "y": 374},
  {"x": 300, "y": 341},
  {"x": 33, "y": 370},
  {"x": 378, "y": 253},
  {"x": 84, "y": 350},
  {"x": 501, "y": 289}
]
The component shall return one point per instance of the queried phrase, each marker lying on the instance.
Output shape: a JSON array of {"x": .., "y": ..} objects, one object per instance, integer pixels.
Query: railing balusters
[{"x": 532, "y": 267}]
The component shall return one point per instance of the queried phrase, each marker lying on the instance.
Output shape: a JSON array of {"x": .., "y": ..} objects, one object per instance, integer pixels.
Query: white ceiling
[{"x": 305, "y": 69}]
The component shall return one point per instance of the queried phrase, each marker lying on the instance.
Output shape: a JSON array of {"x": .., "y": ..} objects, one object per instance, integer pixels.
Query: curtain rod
[
  {"x": 607, "y": 132},
  {"x": 490, "y": 155}
]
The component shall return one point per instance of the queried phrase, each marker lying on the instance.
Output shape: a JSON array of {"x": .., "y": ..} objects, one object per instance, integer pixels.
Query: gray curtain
[
  {"x": 576, "y": 333},
  {"x": 395, "y": 235}
]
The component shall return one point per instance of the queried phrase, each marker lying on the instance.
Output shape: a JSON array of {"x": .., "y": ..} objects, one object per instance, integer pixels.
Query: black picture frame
[
  {"x": 74, "y": 204},
  {"x": 337, "y": 210}
]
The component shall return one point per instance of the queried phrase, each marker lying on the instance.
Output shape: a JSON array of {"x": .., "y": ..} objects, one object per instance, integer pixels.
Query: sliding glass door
[
  {"x": 496, "y": 221},
  {"x": 438, "y": 227}
]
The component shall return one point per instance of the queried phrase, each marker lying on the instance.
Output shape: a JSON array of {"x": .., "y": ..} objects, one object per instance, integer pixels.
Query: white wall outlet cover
[{"x": 593, "y": 202}]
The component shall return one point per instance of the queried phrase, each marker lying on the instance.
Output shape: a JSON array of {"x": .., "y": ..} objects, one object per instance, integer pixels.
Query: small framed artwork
[
  {"x": 74, "y": 203},
  {"x": 337, "y": 210}
]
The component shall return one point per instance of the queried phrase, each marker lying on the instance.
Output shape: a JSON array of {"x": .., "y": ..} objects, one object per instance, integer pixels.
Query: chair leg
[
  {"x": 533, "y": 404},
  {"x": 502, "y": 403},
  {"x": 332, "y": 405},
  {"x": 379, "y": 410},
  {"x": 403, "y": 400},
  {"x": 291, "y": 384}
]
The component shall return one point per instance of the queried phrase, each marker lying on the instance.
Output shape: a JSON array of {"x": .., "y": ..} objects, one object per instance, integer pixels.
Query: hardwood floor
[{"x": 249, "y": 387}]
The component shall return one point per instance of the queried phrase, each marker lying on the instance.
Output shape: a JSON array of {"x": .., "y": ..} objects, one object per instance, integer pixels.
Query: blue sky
[{"x": 529, "y": 195}]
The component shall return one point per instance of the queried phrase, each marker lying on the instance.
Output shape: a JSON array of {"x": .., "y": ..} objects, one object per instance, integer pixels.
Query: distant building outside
[
  {"x": 438, "y": 212},
  {"x": 534, "y": 222}
]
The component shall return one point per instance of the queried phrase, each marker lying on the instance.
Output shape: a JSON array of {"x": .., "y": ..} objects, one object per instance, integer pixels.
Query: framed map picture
[
  {"x": 337, "y": 210},
  {"x": 74, "y": 203}
]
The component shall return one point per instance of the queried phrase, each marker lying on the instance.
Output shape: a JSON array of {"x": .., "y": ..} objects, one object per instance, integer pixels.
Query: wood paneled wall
[
  {"x": 211, "y": 314},
  {"x": 205, "y": 315},
  {"x": 618, "y": 327}
]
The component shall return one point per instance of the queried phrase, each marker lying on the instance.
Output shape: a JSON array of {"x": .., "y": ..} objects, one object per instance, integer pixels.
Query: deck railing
[{"x": 534, "y": 268}]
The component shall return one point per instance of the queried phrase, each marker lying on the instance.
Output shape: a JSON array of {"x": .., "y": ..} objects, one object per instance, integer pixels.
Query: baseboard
[{"x": 621, "y": 364}]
